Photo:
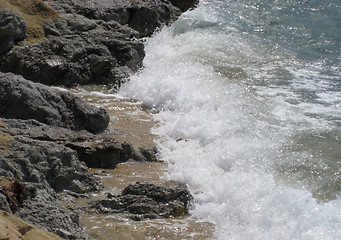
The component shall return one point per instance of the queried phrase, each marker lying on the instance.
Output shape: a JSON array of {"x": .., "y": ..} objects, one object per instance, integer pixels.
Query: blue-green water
[{"x": 248, "y": 95}]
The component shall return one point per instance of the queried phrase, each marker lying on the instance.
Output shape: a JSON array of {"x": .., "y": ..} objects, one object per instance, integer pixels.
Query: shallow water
[
  {"x": 113, "y": 227},
  {"x": 129, "y": 117},
  {"x": 134, "y": 124},
  {"x": 248, "y": 101}
]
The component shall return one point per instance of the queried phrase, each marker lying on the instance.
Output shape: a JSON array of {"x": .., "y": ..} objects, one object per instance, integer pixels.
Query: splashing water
[{"x": 248, "y": 94}]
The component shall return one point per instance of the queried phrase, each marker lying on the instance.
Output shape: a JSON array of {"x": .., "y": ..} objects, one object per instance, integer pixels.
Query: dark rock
[
  {"x": 185, "y": 5},
  {"x": 50, "y": 215},
  {"x": 47, "y": 163},
  {"x": 105, "y": 152},
  {"x": 95, "y": 150},
  {"x": 78, "y": 51},
  {"x": 46, "y": 159},
  {"x": 4, "y": 204},
  {"x": 159, "y": 193},
  {"x": 146, "y": 19},
  {"x": 23, "y": 99},
  {"x": 145, "y": 16},
  {"x": 45, "y": 167},
  {"x": 12, "y": 29},
  {"x": 149, "y": 153},
  {"x": 144, "y": 200}
]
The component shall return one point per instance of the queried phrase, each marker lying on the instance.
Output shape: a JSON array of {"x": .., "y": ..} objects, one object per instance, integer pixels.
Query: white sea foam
[{"x": 229, "y": 128}]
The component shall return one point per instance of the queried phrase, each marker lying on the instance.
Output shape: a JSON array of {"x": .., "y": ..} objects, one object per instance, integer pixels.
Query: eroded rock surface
[
  {"x": 13, "y": 28},
  {"x": 78, "y": 51},
  {"x": 145, "y": 200},
  {"x": 144, "y": 16},
  {"x": 23, "y": 99},
  {"x": 91, "y": 41}
]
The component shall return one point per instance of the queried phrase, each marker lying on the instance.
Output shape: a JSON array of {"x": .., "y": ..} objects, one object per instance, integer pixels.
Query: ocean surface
[{"x": 248, "y": 99}]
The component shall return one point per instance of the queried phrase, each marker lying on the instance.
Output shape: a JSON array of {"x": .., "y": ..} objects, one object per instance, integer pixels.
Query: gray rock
[
  {"x": 4, "y": 204},
  {"x": 78, "y": 51},
  {"x": 105, "y": 152},
  {"x": 149, "y": 153},
  {"x": 53, "y": 217},
  {"x": 145, "y": 16},
  {"x": 46, "y": 162},
  {"x": 185, "y": 5},
  {"x": 95, "y": 150},
  {"x": 23, "y": 99},
  {"x": 144, "y": 200},
  {"x": 13, "y": 28},
  {"x": 46, "y": 168},
  {"x": 38, "y": 155}
]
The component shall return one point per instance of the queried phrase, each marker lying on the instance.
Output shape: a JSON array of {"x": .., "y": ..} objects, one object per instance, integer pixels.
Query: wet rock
[
  {"x": 105, "y": 152},
  {"x": 185, "y": 5},
  {"x": 13, "y": 28},
  {"x": 146, "y": 19},
  {"x": 23, "y": 99},
  {"x": 149, "y": 153},
  {"x": 46, "y": 167},
  {"x": 4, "y": 204},
  {"x": 47, "y": 160},
  {"x": 145, "y": 200},
  {"x": 89, "y": 44}
]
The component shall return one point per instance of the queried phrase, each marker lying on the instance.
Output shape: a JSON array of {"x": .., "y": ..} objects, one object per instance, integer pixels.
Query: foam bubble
[{"x": 232, "y": 114}]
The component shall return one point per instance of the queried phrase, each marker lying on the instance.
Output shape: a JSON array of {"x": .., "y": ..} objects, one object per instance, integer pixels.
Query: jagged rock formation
[
  {"x": 144, "y": 16},
  {"x": 12, "y": 28},
  {"x": 144, "y": 200},
  {"x": 28, "y": 100},
  {"x": 91, "y": 42}
]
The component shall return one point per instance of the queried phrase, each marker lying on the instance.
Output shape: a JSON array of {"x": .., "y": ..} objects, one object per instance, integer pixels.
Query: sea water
[{"x": 248, "y": 96}]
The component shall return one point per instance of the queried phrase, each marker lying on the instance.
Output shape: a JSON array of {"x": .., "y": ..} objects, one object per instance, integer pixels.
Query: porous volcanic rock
[
  {"x": 90, "y": 42},
  {"x": 143, "y": 200},
  {"x": 12, "y": 29}
]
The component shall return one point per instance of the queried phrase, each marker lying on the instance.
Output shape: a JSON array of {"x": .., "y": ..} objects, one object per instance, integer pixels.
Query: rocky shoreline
[{"x": 48, "y": 136}]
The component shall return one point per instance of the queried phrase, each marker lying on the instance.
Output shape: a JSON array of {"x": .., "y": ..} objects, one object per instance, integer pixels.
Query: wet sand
[{"x": 134, "y": 123}]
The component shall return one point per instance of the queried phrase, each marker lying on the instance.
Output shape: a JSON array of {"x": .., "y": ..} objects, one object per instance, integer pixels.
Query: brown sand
[
  {"x": 5, "y": 140},
  {"x": 14, "y": 228},
  {"x": 34, "y": 12},
  {"x": 129, "y": 117}
]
